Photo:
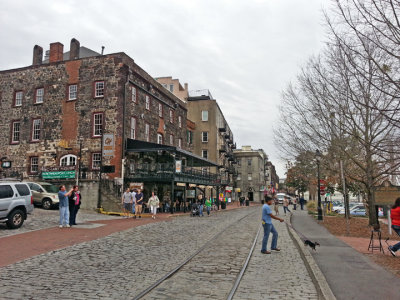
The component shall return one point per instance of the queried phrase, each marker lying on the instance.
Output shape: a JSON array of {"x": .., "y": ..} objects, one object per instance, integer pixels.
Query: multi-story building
[
  {"x": 212, "y": 138},
  {"x": 59, "y": 111},
  {"x": 251, "y": 172},
  {"x": 175, "y": 87},
  {"x": 271, "y": 177}
]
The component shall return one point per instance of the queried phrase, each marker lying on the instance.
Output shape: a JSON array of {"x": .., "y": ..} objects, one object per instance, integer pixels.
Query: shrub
[{"x": 311, "y": 206}]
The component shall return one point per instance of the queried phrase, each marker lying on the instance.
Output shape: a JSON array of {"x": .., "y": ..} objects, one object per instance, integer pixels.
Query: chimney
[
  {"x": 186, "y": 87},
  {"x": 37, "y": 55},
  {"x": 56, "y": 52},
  {"x": 74, "y": 49}
]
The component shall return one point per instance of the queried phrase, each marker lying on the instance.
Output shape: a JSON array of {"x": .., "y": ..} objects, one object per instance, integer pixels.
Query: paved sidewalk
[{"x": 349, "y": 273}]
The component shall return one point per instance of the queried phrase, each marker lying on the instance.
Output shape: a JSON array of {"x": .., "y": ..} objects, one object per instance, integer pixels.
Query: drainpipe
[{"x": 123, "y": 148}]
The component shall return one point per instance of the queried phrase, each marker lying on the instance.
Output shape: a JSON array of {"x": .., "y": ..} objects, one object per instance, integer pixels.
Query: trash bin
[
  {"x": 247, "y": 202},
  {"x": 223, "y": 205}
]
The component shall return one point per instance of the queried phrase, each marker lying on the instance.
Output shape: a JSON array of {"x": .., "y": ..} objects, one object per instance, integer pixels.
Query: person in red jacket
[{"x": 395, "y": 216}]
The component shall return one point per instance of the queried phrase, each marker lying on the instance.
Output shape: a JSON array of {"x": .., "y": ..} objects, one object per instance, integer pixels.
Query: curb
[{"x": 318, "y": 278}]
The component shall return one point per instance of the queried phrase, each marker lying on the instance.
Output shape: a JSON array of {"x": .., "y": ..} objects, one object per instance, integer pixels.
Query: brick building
[{"x": 58, "y": 109}]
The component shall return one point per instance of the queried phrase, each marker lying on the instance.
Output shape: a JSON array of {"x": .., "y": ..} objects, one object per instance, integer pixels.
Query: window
[
  {"x": 36, "y": 130},
  {"x": 180, "y": 122},
  {"x": 249, "y": 162},
  {"x": 180, "y": 143},
  {"x": 204, "y": 171},
  {"x": 171, "y": 88},
  {"x": 204, "y": 115},
  {"x": 133, "y": 94},
  {"x": 171, "y": 139},
  {"x": 99, "y": 89},
  {"x": 238, "y": 177},
  {"x": 96, "y": 161},
  {"x": 164, "y": 85},
  {"x": 147, "y": 102},
  {"x": 171, "y": 116},
  {"x": 204, "y": 136},
  {"x": 97, "y": 124},
  {"x": 239, "y": 162},
  {"x": 133, "y": 128},
  {"x": 160, "y": 112},
  {"x": 249, "y": 176},
  {"x": 68, "y": 160},
  {"x": 34, "y": 164},
  {"x": 159, "y": 138},
  {"x": 132, "y": 167},
  {"x": 147, "y": 132},
  {"x": 204, "y": 153},
  {"x": 18, "y": 98},
  {"x": 15, "y": 134},
  {"x": 189, "y": 137},
  {"x": 39, "y": 95},
  {"x": 23, "y": 189},
  {"x": 6, "y": 191},
  {"x": 72, "y": 92}
]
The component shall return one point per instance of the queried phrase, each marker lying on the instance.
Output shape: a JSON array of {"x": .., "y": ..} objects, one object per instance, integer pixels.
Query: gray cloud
[{"x": 245, "y": 52}]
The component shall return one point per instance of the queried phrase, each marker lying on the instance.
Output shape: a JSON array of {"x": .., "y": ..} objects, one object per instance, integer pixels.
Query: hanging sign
[
  {"x": 178, "y": 166},
  {"x": 108, "y": 144}
]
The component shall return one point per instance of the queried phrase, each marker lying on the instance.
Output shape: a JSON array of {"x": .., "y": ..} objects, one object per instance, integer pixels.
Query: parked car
[
  {"x": 352, "y": 205},
  {"x": 44, "y": 194},
  {"x": 16, "y": 202}
]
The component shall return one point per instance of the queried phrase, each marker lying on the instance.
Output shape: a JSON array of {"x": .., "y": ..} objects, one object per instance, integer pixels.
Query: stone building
[
  {"x": 252, "y": 172},
  {"x": 59, "y": 110}
]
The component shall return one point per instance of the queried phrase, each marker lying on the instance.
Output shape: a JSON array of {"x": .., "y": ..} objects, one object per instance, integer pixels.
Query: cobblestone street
[{"x": 122, "y": 264}]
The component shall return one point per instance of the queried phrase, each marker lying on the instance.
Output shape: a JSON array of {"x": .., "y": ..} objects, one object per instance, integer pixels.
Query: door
[
  {"x": 36, "y": 192},
  {"x": 251, "y": 197},
  {"x": 6, "y": 197}
]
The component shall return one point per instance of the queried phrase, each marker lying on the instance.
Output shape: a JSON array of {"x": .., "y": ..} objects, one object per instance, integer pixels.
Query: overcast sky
[{"x": 245, "y": 52}]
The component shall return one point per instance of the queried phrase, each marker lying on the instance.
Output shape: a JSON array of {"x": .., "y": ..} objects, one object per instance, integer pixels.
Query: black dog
[{"x": 311, "y": 244}]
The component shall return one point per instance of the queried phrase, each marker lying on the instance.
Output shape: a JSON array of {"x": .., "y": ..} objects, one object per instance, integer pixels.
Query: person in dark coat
[
  {"x": 74, "y": 201},
  {"x": 302, "y": 201}
]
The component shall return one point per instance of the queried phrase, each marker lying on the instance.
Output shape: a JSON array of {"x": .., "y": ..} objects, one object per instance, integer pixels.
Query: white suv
[{"x": 16, "y": 202}]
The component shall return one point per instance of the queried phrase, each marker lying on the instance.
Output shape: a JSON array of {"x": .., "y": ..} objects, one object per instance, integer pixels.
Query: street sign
[{"x": 58, "y": 175}]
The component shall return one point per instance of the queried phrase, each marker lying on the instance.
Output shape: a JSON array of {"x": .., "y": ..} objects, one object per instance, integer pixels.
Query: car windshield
[{"x": 50, "y": 188}]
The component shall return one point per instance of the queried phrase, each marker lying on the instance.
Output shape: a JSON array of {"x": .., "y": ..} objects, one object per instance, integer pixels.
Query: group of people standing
[
  {"x": 69, "y": 204},
  {"x": 132, "y": 201}
]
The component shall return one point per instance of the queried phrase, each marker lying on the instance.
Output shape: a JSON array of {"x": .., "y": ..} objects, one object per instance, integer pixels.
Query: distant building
[
  {"x": 252, "y": 172},
  {"x": 175, "y": 87}
]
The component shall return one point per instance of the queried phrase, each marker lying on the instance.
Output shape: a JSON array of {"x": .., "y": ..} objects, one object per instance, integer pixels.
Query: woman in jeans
[{"x": 395, "y": 216}]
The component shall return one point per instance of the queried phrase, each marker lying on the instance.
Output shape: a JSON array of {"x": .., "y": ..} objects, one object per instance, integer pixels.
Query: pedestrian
[
  {"x": 267, "y": 217},
  {"x": 208, "y": 206},
  {"x": 276, "y": 206},
  {"x": 286, "y": 205},
  {"x": 63, "y": 206},
  {"x": 201, "y": 205},
  {"x": 74, "y": 203},
  {"x": 153, "y": 203},
  {"x": 138, "y": 203},
  {"x": 294, "y": 203},
  {"x": 133, "y": 210},
  {"x": 302, "y": 202},
  {"x": 126, "y": 202},
  {"x": 395, "y": 217}
]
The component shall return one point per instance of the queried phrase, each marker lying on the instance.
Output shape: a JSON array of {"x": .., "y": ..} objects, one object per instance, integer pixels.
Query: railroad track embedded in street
[{"x": 208, "y": 244}]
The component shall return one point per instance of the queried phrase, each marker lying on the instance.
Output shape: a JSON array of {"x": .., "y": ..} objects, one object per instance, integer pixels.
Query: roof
[
  {"x": 83, "y": 53},
  {"x": 141, "y": 146}
]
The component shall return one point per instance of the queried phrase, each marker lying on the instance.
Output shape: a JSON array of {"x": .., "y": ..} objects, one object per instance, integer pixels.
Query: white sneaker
[
  {"x": 67, "y": 226},
  {"x": 60, "y": 226}
]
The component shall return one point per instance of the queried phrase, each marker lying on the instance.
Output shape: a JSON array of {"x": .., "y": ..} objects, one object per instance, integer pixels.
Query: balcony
[
  {"x": 222, "y": 149},
  {"x": 222, "y": 129}
]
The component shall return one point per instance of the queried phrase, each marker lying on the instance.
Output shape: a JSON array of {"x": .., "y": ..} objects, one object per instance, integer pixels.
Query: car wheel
[
  {"x": 46, "y": 203},
  {"x": 16, "y": 219}
]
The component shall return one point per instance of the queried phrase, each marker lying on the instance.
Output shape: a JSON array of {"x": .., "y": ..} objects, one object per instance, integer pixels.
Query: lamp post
[{"x": 318, "y": 159}]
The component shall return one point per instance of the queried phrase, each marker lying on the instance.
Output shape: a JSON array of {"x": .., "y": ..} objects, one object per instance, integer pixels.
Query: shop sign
[
  {"x": 58, "y": 175},
  {"x": 136, "y": 185},
  {"x": 180, "y": 184},
  {"x": 108, "y": 144},
  {"x": 237, "y": 190},
  {"x": 228, "y": 188},
  {"x": 178, "y": 166}
]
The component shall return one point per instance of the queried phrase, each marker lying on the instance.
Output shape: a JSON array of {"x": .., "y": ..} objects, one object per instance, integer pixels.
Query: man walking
[
  {"x": 302, "y": 202},
  {"x": 139, "y": 203},
  {"x": 269, "y": 227}
]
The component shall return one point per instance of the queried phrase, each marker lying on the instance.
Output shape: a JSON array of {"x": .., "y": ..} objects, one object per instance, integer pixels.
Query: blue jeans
[
  {"x": 64, "y": 215},
  {"x": 267, "y": 229},
  {"x": 201, "y": 210},
  {"x": 208, "y": 209},
  {"x": 286, "y": 208},
  {"x": 397, "y": 246}
]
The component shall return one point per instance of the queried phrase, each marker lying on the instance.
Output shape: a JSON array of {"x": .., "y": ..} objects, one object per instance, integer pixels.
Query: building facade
[
  {"x": 252, "y": 172},
  {"x": 59, "y": 111}
]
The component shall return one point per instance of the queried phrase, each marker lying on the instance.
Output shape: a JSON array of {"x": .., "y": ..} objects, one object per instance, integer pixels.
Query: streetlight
[{"x": 318, "y": 159}]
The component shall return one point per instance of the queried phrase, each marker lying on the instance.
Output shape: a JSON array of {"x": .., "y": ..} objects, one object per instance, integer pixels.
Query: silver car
[
  {"x": 44, "y": 194},
  {"x": 16, "y": 203}
]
